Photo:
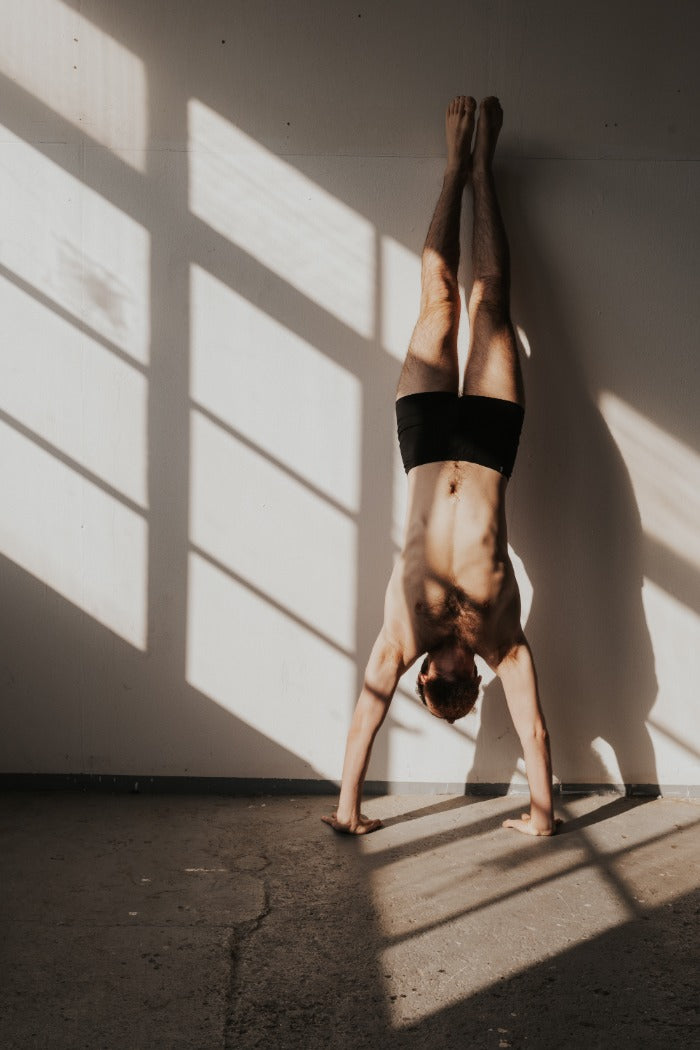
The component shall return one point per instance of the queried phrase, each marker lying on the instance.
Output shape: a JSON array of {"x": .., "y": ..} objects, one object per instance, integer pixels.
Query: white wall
[{"x": 210, "y": 222}]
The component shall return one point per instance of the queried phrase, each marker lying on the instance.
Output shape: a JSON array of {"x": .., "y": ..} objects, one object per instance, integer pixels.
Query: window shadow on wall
[
  {"x": 575, "y": 522},
  {"x": 157, "y": 715}
]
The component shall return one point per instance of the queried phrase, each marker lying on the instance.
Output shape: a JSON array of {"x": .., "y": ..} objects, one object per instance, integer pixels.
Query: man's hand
[
  {"x": 528, "y": 828},
  {"x": 361, "y": 825}
]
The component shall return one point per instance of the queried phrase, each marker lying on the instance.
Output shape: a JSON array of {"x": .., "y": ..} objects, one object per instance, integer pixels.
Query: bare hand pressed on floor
[{"x": 361, "y": 826}]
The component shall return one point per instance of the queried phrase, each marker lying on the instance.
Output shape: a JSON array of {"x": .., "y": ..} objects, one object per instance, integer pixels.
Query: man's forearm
[
  {"x": 538, "y": 766},
  {"x": 358, "y": 749},
  {"x": 517, "y": 672}
]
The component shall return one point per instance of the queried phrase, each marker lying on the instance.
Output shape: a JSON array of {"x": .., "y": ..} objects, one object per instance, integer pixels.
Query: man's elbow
[
  {"x": 379, "y": 687},
  {"x": 383, "y": 672},
  {"x": 535, "y": 735}
]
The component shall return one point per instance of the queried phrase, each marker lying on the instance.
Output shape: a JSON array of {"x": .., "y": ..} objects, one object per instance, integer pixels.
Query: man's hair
[{"x": 452, "y": 697}]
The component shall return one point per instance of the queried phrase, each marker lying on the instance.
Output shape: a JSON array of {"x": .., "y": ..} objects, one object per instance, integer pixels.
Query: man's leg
[
  {"x": 493, "y": 366},
  {"x": 431, "y": 361}
]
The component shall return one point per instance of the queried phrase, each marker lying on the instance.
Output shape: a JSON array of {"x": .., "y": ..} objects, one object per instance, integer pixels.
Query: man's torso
[{"x": 453, "y": 578}]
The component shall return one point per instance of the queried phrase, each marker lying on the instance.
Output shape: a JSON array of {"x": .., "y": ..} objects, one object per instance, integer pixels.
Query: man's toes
[
  {"x": 491, "y": 106},
  {"x": 461, "y": 104}
]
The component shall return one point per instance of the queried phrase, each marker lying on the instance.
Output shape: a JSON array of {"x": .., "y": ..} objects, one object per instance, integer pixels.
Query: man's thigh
[
  {"x": 493, "y": 364},
  {"x": 431, "y": 362}
]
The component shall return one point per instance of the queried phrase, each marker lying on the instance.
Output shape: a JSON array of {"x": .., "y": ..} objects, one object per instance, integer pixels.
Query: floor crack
[{"x": 240, "y": 938}]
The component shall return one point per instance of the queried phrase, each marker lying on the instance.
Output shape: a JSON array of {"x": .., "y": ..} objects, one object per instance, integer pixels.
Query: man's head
[{"x": 448, "y": 683}]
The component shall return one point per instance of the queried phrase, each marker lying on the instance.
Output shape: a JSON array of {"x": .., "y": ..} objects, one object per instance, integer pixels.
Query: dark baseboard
[{"x": 247, "y": 786}]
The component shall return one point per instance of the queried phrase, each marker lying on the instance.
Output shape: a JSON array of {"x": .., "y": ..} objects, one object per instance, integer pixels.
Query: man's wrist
[{"x": 541, "y": 820}]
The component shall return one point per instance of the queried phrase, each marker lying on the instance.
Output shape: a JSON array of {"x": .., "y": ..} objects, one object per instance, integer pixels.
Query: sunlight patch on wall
[
  {"x": 665, "y": 476},
  {"x": 72, "y": 536},
  {"x": 283, "y": 219},
  {"x": 527, "y": 591},
  {"x": 74, "y": 247},
  {"x": 400, "y": 296},
  {"x": 275, "y": 389},
  {"x": 287, "y": 542},
  {"x": 73, "y": 393},
  {"x": 420, "y": 747},
  {"x": 675, "y": 631},
  {"x": 524, "y": 341},
  {"x": 78, "y": 72},
  {"x": 606, "y": 753},
  {"x": 267, "y": 670}
]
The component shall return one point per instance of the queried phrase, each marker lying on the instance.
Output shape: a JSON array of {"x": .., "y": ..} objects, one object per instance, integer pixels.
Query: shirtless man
[{"x": 453, "y": 593}]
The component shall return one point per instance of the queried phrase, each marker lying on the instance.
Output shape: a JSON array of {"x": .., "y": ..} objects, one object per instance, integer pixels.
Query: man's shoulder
[{"x": 511, "y": 654}]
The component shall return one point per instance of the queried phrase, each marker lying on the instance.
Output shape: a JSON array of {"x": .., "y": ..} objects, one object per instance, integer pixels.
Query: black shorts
[{"x": 439, "y": 425}]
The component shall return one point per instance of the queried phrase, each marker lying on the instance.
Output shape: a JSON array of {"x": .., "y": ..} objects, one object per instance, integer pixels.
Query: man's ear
[{"x": 422, "y": 677}]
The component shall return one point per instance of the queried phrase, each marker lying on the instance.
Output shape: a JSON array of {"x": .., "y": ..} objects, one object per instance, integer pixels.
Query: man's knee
[
  {"x": 437, "y": 325},
  {"x": 491, "y": 297},
  {"x": 439, "y": 285}
]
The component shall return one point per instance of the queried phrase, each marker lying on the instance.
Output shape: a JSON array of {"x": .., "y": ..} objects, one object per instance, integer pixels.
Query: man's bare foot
[
  {"x": 459, "y": 127},
  {"x": 487, "y": 129},
  {"x": 528, "y": 828},
  {"x": 362, "y": 826}
]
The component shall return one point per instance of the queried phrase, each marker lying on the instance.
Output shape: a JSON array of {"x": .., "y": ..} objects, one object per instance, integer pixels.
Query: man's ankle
[
  {"x": 482, "y": 173},
  {"x": 457, "y": 173}
]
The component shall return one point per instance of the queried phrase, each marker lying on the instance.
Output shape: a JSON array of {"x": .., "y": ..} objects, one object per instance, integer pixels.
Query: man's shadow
[{"x": 574, "y": 521}]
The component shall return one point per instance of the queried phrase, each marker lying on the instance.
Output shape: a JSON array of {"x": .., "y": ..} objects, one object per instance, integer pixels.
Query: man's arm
[
  {"x": 517, "y": 673},
  {"x": 384, "y": 669}
]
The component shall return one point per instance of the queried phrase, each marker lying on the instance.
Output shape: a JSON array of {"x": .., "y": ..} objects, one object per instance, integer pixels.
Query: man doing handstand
[{"x": 453, "y": 593}]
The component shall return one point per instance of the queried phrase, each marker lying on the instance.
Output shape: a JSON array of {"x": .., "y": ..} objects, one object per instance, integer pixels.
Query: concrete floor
[{"x": 136, "y": 921}]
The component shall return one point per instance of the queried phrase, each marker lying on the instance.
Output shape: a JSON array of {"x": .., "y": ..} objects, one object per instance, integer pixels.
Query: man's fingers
[
  {"x": 371, "y": 825},
  {"x": 521, "y": 825},
  {"x": 527, "y": 828},
  {"x": 365, "y": 826}
]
